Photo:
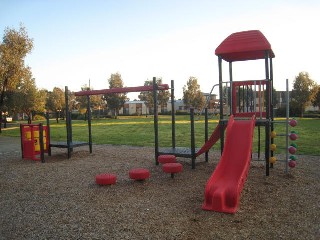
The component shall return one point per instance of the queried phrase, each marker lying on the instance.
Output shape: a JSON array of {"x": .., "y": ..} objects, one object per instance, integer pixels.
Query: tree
[
  {"x": 13, "y": 49},
  {"x": 56, "y": 102},
  {"x": 316, "y": 96},
  {"x": 41, "y": 99},
  {"x": 96, "y": 101},
  {"x": 115, "y": 100},
  {"x": 147, "y": 97},
  {"x": 302, "y": 91},
  {"x": 25, "y": 98},
  {"x": 192, "y": 96}
]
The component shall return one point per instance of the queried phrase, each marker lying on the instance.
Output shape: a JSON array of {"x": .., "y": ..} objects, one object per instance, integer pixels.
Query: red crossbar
[{"x": 121, "y": 90}]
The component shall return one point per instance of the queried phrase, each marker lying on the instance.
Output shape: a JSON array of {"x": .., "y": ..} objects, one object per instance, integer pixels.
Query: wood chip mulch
[{"x": 59, "y": 199}]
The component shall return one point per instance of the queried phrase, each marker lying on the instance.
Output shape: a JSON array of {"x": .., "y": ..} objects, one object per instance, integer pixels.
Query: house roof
[{"x": 242, "y": 46}]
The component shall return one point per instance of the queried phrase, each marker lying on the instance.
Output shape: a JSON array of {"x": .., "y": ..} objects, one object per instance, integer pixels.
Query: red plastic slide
[
  {"x": 215, "y": 136},
  {"x": 222, "y": 192}
]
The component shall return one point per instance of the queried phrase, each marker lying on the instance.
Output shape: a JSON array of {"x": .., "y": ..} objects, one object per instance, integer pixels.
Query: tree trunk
[
  {"x": 57, "y": 116},
  {"x": 0, "y": 121},
  {"x": 29, "y": 119}
]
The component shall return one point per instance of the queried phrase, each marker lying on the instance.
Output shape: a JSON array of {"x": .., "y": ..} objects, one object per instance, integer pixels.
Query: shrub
[{"x": 295, "y": 110}]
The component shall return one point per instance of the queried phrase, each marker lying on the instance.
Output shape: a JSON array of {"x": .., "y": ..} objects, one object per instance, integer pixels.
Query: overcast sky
[{"x": 75, "y": 41}]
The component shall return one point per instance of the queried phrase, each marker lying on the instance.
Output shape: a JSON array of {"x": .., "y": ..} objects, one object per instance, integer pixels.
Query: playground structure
[
  {"x": 244, "y": 99},
  {"x": 191, "y": 152},
  {"x": 34, "y": 141},
  {"x": 243, "y": 105},
  {"x": 41, "y": 136},
  {"x": 31, "y": 151},
  {"x": 70, "y": 144}
]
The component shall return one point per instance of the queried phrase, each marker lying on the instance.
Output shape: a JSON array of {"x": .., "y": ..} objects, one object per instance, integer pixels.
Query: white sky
[{"x": 75, "y": 41}]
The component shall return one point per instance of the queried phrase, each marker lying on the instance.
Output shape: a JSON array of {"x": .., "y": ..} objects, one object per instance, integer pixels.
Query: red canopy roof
[{"x": 242, "y": 46}]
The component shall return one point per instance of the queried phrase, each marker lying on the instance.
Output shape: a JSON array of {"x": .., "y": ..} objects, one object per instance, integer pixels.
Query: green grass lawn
[{"x": 139, "y": 131}]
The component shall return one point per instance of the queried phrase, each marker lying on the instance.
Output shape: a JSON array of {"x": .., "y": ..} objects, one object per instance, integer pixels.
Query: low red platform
[
  {"x": 106, "y": 179},
  {"x": 139, "y": 174},
  {"x": 172, "y": 168},
  {"x": 167, "y": 159}
]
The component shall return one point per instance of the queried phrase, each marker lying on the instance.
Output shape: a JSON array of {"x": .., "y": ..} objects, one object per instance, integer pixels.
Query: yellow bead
[{"x": 272, "y": 159}]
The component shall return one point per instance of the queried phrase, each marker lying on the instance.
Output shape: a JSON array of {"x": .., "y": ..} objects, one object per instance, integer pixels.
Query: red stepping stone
[
  {"x": 106, "y": 179},
  {"x": 167, "y": 159},
  {"x": 139, "y": 174},
  {"x": 172, "y": 168}
]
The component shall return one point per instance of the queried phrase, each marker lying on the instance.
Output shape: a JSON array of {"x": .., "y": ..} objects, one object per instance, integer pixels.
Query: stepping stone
[
  {"x": 139, "y": 174},
  {"x": 167, "y": 159},
  {"x": 106, "y": 179},
  {"x": 172, "y": 168}
]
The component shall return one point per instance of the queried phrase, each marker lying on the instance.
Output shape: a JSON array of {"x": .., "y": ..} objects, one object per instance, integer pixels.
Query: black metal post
[
  {"x": 271, "y": 105},
  {"x": 193, "y": 145},
  {"x": 48, "y": 134},
  {"x": 173, "y": 118},
  {"x": 206, "y": 135},
  {"x": 89, "y": 123},
  {"x": 68, "y": 122},
  {"x": 221, "y": 102},
  {"x": 155, "y": 119},
  {"x": 220, "y": 87},
  {"x": 267, "y": 150},
  {"x": 21, "y": 140},
  {"x": 239, "y": 99},
  {"x": 259, "y": 141},
  {"x": 41, "y": 142},
  {"x": 231, "y": 80},
  {"x": 267, "y": 154}
]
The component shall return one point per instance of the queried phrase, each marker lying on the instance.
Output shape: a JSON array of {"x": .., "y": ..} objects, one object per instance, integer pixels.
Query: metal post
[
  {"x": 173, "y": 118},
  {"x": 48, "y": 134},
  {"x": 221, "y": 102},
  {"x": 267, "y": 147},
  {"x": 267, "y": 155},
  {"x": 155, "y": 120},
  {"x": 21, "y": 140},
  {"x": 193, "y": 152},
  {"x": 271, "y": 105},
  {"x": 271, "y": 92},
  {"x": 254, "y": 97},
  {"x": 220, "y": 87},
  {"x": 231, "y": 80},
  {"x": 41, "y": 142},
  {"x": 89, "y": 123},
  {"x": 68, "y": 123},
  {"x": 287, "y": 124},
  {"x": 268, "y": 85},
  {"x": 206, "y": 135},
  {"x": 259, "y": 141}
]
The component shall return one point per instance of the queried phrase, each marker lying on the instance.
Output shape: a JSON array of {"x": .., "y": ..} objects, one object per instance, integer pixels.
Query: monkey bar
[{"x": 121, "y": 90}]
